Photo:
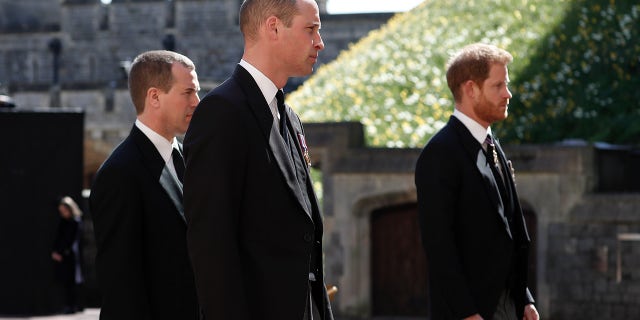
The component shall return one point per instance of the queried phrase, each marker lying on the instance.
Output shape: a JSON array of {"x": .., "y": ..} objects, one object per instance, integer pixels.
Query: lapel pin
[{"x": 305, "y": 149}]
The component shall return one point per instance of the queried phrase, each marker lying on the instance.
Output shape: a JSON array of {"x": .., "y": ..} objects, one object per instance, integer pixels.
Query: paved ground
[{"x": 87, "y": 314}]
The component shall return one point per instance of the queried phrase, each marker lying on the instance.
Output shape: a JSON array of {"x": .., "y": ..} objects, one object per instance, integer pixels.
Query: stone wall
[
  {"x": 594, "y": 259},
  {"x": 96, "y": 39}
]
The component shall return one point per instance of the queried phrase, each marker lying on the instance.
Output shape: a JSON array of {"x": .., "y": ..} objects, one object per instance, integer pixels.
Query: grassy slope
[{"x": 393, "y": 80}]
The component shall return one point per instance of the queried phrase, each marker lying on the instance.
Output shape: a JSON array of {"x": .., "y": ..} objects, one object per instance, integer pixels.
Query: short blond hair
[{"x": 253, "y": 14}]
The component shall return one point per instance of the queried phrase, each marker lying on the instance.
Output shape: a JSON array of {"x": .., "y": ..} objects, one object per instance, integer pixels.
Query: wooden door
[{"x": 398, "y": 266}]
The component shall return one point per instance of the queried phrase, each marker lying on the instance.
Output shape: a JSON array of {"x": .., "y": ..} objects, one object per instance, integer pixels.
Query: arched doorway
[{"x": 398, "y": 263}]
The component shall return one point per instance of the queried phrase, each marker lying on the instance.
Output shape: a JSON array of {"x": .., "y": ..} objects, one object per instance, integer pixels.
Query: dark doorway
[{"x": 398, "y": 263}]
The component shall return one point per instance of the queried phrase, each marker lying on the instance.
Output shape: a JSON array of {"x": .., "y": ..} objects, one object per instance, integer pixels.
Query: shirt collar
[
  {"x": 267, "y": 87},
  {"x": 163, "y": 145},
  {"x": 477, "y": 130}
]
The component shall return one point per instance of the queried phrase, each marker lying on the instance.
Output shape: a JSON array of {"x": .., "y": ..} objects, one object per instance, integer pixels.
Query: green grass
[{"x": 393, "y": 80}]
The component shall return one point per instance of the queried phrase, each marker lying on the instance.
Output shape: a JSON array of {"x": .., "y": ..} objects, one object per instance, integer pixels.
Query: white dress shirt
[
  {"x": 267, "y": 87},
  {"x": 164, "y": 146},
  {"x": 477, "y": 130}
]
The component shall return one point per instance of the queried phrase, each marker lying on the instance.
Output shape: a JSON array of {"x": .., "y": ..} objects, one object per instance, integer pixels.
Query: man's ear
[
  {"x": 153, "y": 97},
  {"x": 271, "y": 26},
  {"x": 471, "y": 89}
]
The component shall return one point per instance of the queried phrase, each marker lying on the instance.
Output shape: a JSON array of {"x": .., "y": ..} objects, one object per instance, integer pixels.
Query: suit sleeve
[
  {"x": 437, "y": 179},
  {"x": 116, "y": 208},
  {"x": 216, "y": 151}
]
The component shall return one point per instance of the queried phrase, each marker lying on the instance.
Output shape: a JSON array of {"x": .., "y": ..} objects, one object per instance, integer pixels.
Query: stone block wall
[
  {"x": 96, "y": 38},
  {"x": 594, "y": 259}
]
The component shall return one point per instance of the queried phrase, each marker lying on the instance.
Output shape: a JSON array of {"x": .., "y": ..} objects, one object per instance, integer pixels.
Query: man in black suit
[
  {"x": 142, "y": 263},
  {"x": 254, "y": 227},
  {"x": 472, "y": 226}
]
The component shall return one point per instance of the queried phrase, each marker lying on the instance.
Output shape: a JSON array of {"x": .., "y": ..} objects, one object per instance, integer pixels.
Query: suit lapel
[
  {"x": 157, "y": 168},
  {"x": 492, "y": 186},
  {"x": 295, "y": 128},
  {"x": 297, "y": 133},
  {"x": 475, "y": 152},
  {"x": 506, "y": 167},
  {"x": 269, "y": 127},
  {"x": 506, "y": 172},
  {"x": 518, "y": 218}
]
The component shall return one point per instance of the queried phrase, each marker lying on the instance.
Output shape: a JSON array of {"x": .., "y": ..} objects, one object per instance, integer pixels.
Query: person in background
[
  {"x": 142, "y": 263},
  {"x": 255, "y": 229},
  {"x": 472, "y": 225},
  {"x": 66, "y": 252}
]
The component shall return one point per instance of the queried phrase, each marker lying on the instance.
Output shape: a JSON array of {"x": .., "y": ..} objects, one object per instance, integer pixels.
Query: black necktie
[
  {"x": 496, "y": 168},
  {"x": 282, "y": 112},
  {"x": 178, "y": 163},
  {"x": 492, "y": 158},
  {"x": 492, "y": 155}
]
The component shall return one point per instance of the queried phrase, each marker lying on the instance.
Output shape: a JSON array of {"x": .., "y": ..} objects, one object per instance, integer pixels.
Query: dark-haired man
[{"x": 136, "y": 200}]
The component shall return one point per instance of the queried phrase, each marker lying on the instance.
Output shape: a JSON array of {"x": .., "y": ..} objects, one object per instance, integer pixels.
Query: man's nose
[{"x": 318, "y": 43}]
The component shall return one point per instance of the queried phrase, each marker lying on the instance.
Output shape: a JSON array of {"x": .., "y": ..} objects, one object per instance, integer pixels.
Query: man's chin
[{"x": 506, "y": 112}]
